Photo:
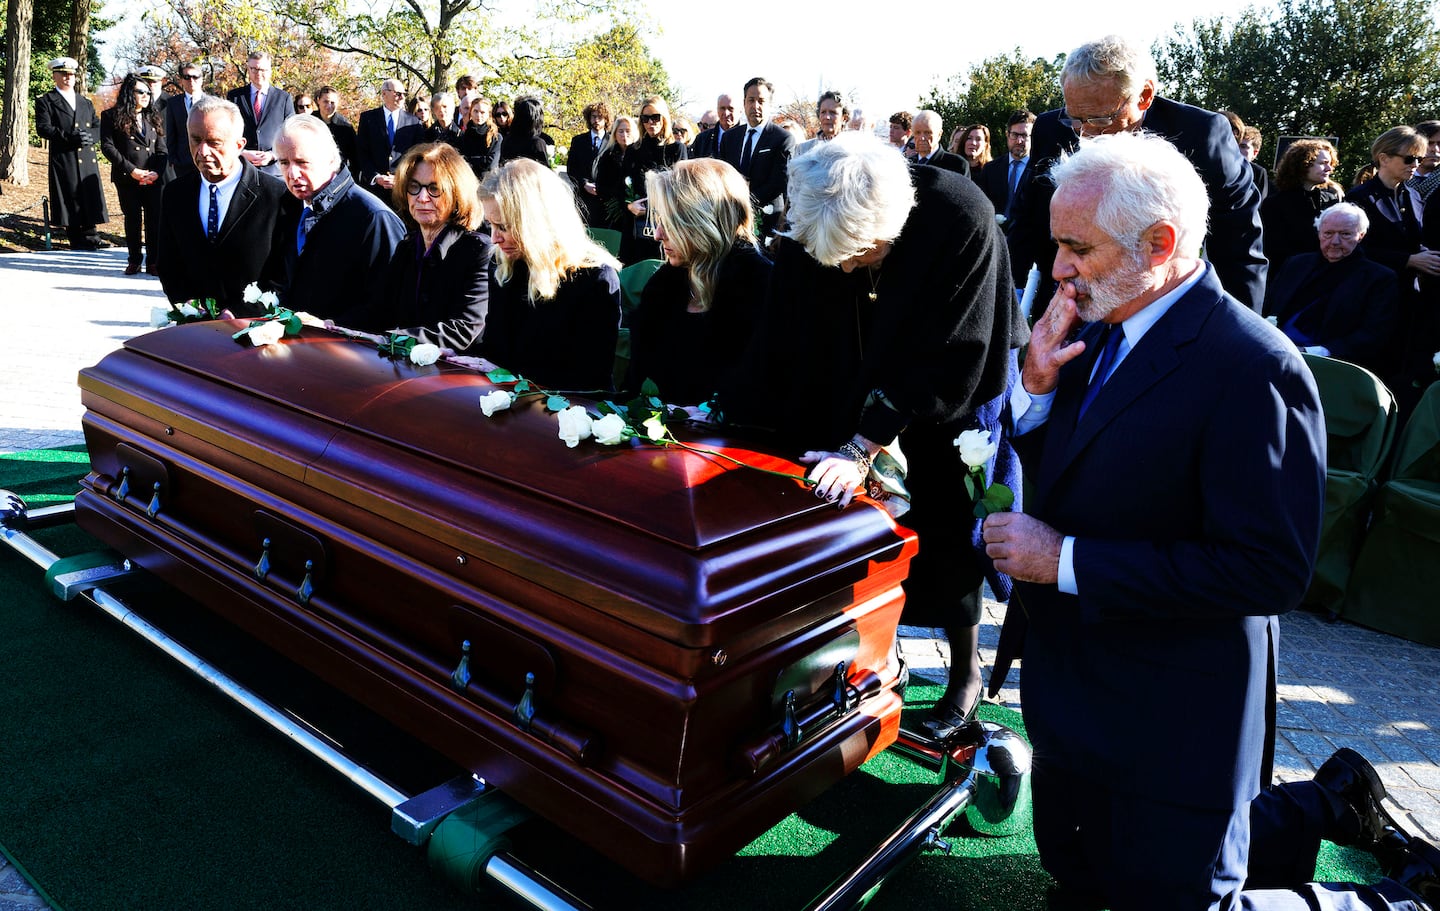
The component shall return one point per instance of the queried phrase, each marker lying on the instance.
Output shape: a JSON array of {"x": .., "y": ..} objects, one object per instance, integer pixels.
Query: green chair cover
[
  {"x": 608, "y": 238},
  {"x": 632, "y": 282},
  {"x": 1359, "y": 432},
  {"x": 1396, "y": 583}
]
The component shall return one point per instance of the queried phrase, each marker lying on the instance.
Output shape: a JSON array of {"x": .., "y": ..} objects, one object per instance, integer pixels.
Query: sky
[{"x": 884, "y": 53}]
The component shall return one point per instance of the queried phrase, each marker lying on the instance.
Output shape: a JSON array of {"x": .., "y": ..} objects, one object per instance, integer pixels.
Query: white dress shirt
[{"x": 222, "y": 198}]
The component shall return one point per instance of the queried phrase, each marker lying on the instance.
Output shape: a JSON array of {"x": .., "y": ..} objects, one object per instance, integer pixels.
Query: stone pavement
[{"x": 1339, "y": 685}]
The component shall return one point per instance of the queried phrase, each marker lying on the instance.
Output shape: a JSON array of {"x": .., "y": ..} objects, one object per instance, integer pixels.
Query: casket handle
[
  {"x": 262, "y": 566},
  {"x": 153, "y": 509},
  {"x": 525, "y": 708},
  {"x": 123, "y": 490},
  {"x": 809, "y": 718},
  {"x": 306, "y": 591},
  {"x": 460, "y": 677}
]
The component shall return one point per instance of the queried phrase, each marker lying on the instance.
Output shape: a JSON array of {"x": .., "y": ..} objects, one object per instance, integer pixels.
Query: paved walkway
[{"x": 1340, "y": 685}]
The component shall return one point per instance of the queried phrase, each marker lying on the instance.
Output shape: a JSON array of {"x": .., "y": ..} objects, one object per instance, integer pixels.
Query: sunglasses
[
  {"x": 1411, "y": 159},
  {"x": 650, "y": 118},
  {"x": 189, "y": 75}
]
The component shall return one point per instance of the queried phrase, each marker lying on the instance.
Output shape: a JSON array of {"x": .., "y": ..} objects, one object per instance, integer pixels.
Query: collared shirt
[
  {"x": 68, "y": 96},
  {"x": 596, "y": 139},
  {"x": 190, "y": 101},
  {"x": 226, "y": 192},
  {"x": 1031, "y": 411}
]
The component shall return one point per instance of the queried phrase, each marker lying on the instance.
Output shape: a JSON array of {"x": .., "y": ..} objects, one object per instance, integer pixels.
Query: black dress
[
  {"x": 690, "y": 356},
  {"x": 611, "y": 169},
  {"x": 647, "y": 155},
  {"x": 439, "y": 295},
  {"x": 564, "y": 343},
  {"x": 935, "y": 342},
  {"x": 480, "y": 147},
  {"x": 1289, "y": 220}
]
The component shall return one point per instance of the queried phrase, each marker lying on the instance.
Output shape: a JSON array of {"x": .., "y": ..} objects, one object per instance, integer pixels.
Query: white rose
[
  {"x": 654, "y": 428},
  {"x": 975, "y": 447},
  {"x": 575, "y": 425},
  {"x": 159, "y": 317},
  {"x": 252, "y": 293},
  {"x": 609, "y": 430},
  {"x": 999, "y": 219},
  {"x": 270, "y": 300},
  {"x": 424, "y": 355},
  {"x": 1437, "y": 360},
  {"x": 189, "y": 309},
  {"x": 267, "y": 333},
  {"x": 492, "y": 402},
  {"x": 1273, "y": 320}
]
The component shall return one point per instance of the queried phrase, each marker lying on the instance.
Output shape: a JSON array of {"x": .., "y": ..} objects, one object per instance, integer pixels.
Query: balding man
[
  {"x": 707, "y": 144},
  {"x": 334, "y": 240},
  {"x": 925, "y": 131},
  {"x": 218, "y": 219},
  {"x": 384, "y": 134},
  {"x": 1110, "y": 87},
  {"x": 1177, "y": 455}
]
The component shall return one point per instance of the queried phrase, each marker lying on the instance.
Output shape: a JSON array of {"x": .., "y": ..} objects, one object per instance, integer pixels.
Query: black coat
[
  {"x": 1394, "y": 234},
  {"x": 178, "y": 160},
  {"x": 1348, "y": 307},
  {"x": 579, "y": 167},
  {"x": 564, "y": 343},
  {"x": 347, "y": 251},
  {"x": 691, "y": 356},
  {"x": 77, "y": 198},
  {"x": 1289, "y": 219},
  {"x": 480, "y": 147},
  {"x": 1232, "y": 243},
  {"x": 374, "y": 153},
  {"x": 439, "y": 296},
  {"x": 995, "y": 181},
  {"x": 532, "y": 147},
  {"x": 192, "y": 266},
  {"x": 946, "y": 161},
  {"x": 132, "y": 151}
]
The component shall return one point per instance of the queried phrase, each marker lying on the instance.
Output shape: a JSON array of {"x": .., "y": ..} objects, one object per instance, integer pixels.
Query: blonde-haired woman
[
  {"x": 655, "y": 150},
  {"x": 554, "y": 293},
  {"x": 698, "y": 310},
  {"x": 611, "y": 167}
]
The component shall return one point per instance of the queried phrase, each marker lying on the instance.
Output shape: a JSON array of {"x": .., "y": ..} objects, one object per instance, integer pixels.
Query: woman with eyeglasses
[
  {"x": 554, "y": 293},
  {"x": 655, "y": 150},
  {"x": 132, "y": 139},
  {"x": 1302, "y": 190},
  {"x": 1394, "y": 240},
  {"x": 437, "y": 287},
  {"x": 698, "y": 310},
  {"x": 525, "y": 136}
]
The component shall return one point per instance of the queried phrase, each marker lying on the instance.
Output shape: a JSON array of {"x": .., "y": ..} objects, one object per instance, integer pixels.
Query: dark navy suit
[
  {"x": 768, "y": 170},
  {"x": 1233, "y": 242},
  {"x": 260, "y": 137}
]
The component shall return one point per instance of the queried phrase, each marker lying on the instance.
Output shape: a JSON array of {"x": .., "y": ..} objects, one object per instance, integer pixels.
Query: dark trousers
[
  {"x": 139, "y": 204},
  {"x": 1113, "y": 850}
]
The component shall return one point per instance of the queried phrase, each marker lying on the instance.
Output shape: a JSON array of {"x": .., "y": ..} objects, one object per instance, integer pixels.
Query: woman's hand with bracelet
[{"x": 838, "y": 476}]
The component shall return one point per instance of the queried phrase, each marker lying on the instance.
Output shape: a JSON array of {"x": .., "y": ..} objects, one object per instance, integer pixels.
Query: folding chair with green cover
[
  {"x": 1359, "y": 432},
  {"x": 608, "y": 238},
  {"x": 1396, "y": 583},
  {"x": 632, "y": 281}
]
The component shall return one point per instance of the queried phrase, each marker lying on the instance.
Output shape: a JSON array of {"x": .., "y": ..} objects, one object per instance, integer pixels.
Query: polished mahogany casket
[{"x": 660, "y": 651}]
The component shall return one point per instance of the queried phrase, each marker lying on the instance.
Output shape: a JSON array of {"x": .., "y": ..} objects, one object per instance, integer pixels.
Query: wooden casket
[{"x": 667, "y": 653}]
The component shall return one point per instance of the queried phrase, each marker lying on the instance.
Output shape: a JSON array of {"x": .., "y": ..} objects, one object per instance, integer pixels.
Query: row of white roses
[{"x": 576, "y": 423}]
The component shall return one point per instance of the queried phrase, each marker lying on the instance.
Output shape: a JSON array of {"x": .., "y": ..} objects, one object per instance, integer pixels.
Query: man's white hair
[
  {"x": 1111, "y": 57},
  {"x": 1142, "y": 179},
  {"x": 1349, "y": 210},
  {"x": 847, "y": 195}
]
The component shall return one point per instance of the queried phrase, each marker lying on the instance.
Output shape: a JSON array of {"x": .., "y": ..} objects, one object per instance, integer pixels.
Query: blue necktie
[
  {"x": 307, "y": 221},
  {"x": 390, "y": 130},
  {"x": 1114, "y": 335},
  {"x": 745, "y": 153},
  {"x": 212, "y": 221}
]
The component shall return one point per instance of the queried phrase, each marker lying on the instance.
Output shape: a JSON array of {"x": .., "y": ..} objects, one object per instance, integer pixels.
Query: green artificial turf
[{"x": 126, "y": 783}]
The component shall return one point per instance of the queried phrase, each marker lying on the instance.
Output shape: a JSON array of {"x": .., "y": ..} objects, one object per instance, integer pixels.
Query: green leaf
[
  {"x": 293, "y": 325},
  {"x": 608, "y": 407},
  {"x": 970, "y": 487},
  {"x": 522, "y": 387},
  {"x": 556, "y": 403},
  {"x": 500, "y": 375},
  {"x": 998, "y": 498},
  {"x": 648, "y": 388}
]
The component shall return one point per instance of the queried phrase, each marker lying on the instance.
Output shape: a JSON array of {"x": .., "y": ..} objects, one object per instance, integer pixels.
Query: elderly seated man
[{"x": 1338, "y": 302}]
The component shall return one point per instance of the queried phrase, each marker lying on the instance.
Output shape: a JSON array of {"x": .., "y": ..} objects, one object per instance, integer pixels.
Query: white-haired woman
[
  {"x": 554, "y": 293},
  {"x": 698, "y": 310},
  {"x": 891, "y": 315}
]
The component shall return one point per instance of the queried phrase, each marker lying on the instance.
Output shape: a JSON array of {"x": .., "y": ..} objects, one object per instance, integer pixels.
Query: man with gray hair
[
  {"x": 217, "y": 221},
  {"x": 1110, "y": 87},
  {"x": 1338, "y": 302},
  {"x": 383, "y": 135},
  {"x": 925, "y": 131},
  {"x": 1176, "y": 454},
  {"x": 334, "y": 240}
]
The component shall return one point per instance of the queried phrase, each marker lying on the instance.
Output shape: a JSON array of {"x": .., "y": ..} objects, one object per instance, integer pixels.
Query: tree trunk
[
  {"x": 15, "y": 124},
  {"x": 79, "y": 33}
]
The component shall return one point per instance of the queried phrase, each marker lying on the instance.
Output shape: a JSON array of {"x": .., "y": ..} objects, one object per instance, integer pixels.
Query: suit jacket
[
  {"x": 193, "y": 266},
  {"x": 374, "y": 152},
  {"x": 1194, "y": 486},
  {"x": 995, "y": 181},
  {"x": 769, "y": 164},
  {"x": 946, "y": 161},
  {"x": 260, "y": 137},
  {"x": 347, "y": 251},
  {"x": 178, "y": 161},
  {"x": 127, "y": 153},
  {"x": 580, "y": 167},
  {"x": 1348, "y": 307},
  {"x": 76, "y": 196},
  {"x": 706, "y": 144},
  {"x": 1232, "y": 244}
]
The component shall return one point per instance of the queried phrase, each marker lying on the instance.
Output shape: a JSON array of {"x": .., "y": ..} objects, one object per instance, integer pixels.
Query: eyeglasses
[
  {"x": 1014, "y": 135},
  {"x": 189, "y": 76},
  {"x": 431, "y": 189},
  {"x": 1098, "y": 123},
  {"x": 650, "y": 118}
]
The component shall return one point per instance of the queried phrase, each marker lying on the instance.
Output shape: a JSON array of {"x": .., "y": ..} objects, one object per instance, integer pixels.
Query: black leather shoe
[
  {"x": 1418, "y": 869},
  {"x": 1351, "y": 777},
  {"x": 947, "y": 718},
  {"x": 132, "y": 269}
]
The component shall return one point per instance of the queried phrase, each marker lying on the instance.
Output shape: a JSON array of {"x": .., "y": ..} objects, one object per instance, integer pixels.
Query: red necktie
[{"x": 256, "y": 107}]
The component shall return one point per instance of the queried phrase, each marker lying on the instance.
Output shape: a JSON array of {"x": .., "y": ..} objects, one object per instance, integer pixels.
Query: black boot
[
  {"x": 1416, "y": 866},
  {"x": 1357, "y": 792}
]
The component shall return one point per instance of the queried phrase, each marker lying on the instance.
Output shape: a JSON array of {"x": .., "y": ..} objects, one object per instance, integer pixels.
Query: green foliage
[
  {"x": 613, "y": 66},
  {"x": 50, "y": 38},
  {"x": 994, "y": 89},
  {"x": 1345, "y": 68}
]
